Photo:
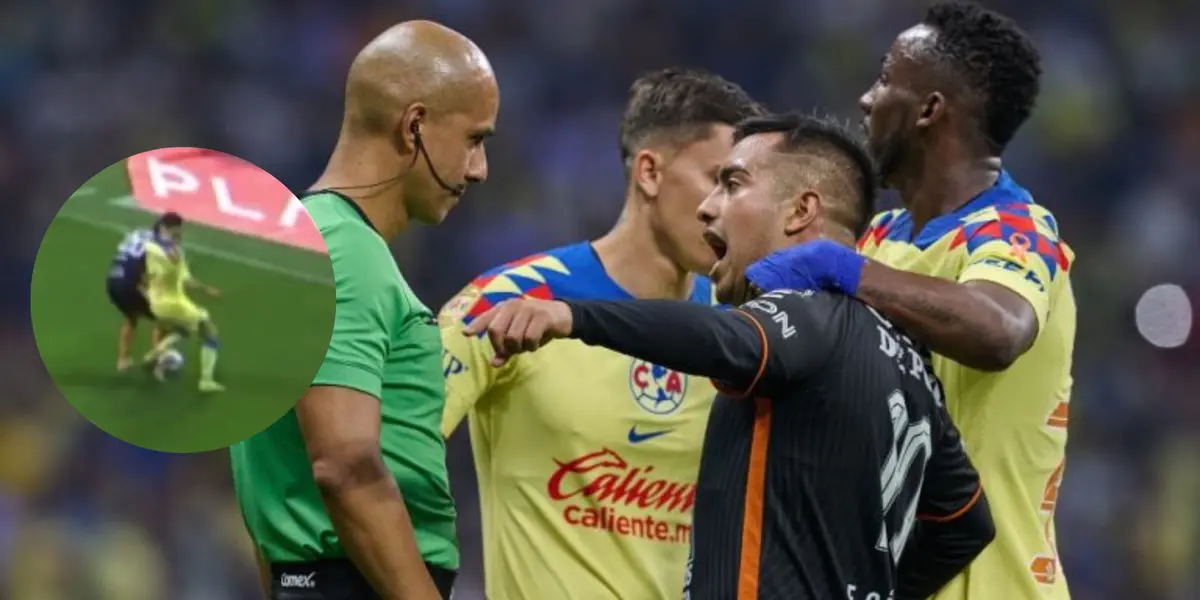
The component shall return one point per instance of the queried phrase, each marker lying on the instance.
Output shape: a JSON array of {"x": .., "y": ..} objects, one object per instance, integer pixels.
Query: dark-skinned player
[{"x": 973, "y": 267}]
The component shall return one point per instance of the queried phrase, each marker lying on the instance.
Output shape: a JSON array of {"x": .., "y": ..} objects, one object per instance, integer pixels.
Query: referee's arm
[
  {"x": 340, "y": 421},
  {"x": 264, "y": 573},
  {"x": 341, "y": 434}
]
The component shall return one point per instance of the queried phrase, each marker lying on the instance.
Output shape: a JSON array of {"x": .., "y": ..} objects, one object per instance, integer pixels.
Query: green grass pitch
[{"x": 275, "y": 315}]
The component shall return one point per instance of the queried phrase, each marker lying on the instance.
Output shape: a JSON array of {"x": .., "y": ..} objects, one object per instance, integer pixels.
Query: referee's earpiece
[{"x": 415, "y": 129}]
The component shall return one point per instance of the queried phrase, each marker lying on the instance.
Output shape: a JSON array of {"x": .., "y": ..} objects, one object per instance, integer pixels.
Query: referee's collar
[{"x": 344, "y": 198}]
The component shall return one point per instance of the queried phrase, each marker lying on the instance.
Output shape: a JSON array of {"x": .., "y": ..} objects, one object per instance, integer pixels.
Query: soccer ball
[{"x": 171, "y": 361}]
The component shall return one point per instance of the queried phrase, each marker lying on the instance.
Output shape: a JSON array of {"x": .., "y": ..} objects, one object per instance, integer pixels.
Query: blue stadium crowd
[{"x": 1112, "y": 148}]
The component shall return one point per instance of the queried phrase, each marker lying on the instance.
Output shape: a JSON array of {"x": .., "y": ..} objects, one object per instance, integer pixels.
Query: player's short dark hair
[
  {"x": 997, "y": 60},
  {"x": 170, "y": 219},
  {"x": 682, "y": 103},
  {"x": 830, "y": 139}
]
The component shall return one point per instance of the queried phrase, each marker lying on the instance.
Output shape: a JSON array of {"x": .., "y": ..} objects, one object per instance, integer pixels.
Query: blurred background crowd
[{"x": 1112, "y": 149}]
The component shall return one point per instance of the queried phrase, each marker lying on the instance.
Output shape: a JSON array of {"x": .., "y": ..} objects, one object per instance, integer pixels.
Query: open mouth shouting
[{"x": 719, "y": 248}]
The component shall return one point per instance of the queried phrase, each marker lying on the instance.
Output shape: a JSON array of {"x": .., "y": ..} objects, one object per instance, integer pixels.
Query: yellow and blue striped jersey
[
  {"x": 1013, "y": 423},
  {"x": 586, "y": 458}
]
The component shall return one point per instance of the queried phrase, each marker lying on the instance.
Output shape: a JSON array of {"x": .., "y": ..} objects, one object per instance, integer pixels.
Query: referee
[
  {"x": 830, "y": 468},
  {"x": 346, "y": 497}
]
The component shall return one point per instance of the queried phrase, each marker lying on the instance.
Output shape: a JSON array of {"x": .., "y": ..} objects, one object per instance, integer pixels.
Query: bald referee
[{"x": 346, "y": 497}]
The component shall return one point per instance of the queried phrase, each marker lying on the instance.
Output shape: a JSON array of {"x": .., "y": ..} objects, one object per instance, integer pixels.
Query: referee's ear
[{"x": 409, "y": 128}]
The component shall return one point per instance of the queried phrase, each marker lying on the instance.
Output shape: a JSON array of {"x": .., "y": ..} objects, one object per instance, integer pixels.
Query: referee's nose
[{"x": 477, "y": 166}]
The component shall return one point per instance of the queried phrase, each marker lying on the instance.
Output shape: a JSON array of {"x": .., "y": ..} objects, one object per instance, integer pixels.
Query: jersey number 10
[{"x": 911, "y": 449}]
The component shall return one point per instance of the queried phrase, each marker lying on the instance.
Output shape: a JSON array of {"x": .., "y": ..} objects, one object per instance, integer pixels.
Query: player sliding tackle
[
  {"x": 829, "y": 418},
  {"x": 167, "y": 279}
]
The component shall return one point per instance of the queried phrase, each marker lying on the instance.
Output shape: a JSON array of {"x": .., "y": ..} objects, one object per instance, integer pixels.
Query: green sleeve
[{"x": 367, "y": 303}]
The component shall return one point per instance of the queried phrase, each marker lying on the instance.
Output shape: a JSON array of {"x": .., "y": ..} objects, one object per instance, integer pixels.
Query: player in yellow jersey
[
  {"x": 586, "y": 458},
  {"x": 166, "y": 281},
  {"x": 975, "y": 269}
]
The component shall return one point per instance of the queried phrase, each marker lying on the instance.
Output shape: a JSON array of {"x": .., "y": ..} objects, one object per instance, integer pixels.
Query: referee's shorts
[{"x": 337, "y": 579}]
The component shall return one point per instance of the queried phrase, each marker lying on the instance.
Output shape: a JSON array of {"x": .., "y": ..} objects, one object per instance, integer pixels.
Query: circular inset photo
[{"x": 182, "y": 300}]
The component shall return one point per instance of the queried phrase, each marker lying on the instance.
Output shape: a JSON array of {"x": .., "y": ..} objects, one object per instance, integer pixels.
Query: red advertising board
[{"x": 222, "y": 191}]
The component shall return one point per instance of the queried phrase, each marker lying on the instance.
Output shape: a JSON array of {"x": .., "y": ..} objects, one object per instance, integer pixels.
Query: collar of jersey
[
  {"x": 344, "y": 198},
  {"x": 701, "y": 286},
  {"x": 1004, "y": 191}
]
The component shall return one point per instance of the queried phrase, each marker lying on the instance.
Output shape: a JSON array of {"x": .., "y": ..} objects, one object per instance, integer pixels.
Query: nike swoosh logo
[{"x": 637, "y": 438}]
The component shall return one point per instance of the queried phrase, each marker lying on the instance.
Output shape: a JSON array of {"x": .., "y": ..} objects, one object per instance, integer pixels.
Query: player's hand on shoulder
[
  {"x": 521, "y": 325},
  {"x": 821, "y": 264}
]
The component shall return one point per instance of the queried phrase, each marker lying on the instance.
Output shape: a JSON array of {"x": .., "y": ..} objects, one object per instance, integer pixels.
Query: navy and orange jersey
[
  {"x": 586, "y": 458},
  {"x": 826, "y": 445},
  {"x": 1014, "y": 422}
]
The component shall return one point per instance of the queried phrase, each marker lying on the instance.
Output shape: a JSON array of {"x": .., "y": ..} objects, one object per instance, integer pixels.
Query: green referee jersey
[{"x": 385, "y": 343}]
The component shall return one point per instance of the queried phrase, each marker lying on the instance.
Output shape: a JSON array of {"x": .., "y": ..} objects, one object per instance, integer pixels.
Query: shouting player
[
  {"x": 167, "y": 281},
  {"x": 828, "y": 440},
  {"x": 347, "y": 496},
  {"x": 586, "y": 458},
  {"x": 125, "y": 290},
  {"x": 973, "y": 268}
]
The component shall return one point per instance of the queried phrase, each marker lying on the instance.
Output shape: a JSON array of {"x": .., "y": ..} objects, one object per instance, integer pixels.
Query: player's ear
[
  {"x": 645, "y": 171},
  {"x": 800, "y": 212},
  {"x": 931, "y": 110},
  {"x": 409, "y": 127}
]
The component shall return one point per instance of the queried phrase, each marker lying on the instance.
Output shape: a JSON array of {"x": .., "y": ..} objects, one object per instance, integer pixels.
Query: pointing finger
[{"x": 480, "y": 323}]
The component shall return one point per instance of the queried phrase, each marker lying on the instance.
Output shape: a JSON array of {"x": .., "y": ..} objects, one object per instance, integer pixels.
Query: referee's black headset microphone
[{"x": 456, "y": 190}]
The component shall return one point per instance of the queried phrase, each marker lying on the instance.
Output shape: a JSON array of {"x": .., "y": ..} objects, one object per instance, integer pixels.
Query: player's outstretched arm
[
  {"x": 196, "y": 284},
  {"x": 687, "y": 337},
  {"x": 341, "y": 433},
  {"x": 741, "y": 349},
  {"x": 980, "y": 324},
  {"x": 694, "y": 338}
]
